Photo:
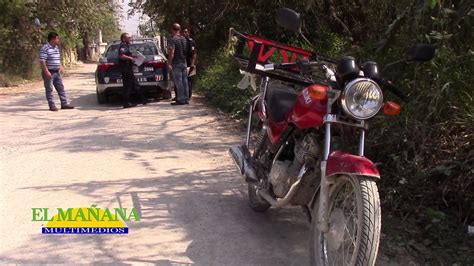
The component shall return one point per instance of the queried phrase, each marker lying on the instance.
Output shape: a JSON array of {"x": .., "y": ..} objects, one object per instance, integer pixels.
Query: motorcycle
[{"x": 297, "y": 157}]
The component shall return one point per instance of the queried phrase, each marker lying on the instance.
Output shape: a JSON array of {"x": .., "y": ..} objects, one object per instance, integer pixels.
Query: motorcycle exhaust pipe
[
  {"x": 293, "y": 189},
  {"x": 245, "y": 167},
  {"x": 282, "y": 202}
]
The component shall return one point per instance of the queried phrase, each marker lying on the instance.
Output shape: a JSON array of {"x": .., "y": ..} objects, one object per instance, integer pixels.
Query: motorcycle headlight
[{"x": 362, "y": 98}]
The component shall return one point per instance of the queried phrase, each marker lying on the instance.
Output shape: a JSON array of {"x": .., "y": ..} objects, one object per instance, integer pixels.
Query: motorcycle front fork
[
  {"x": 323, "y": 215},
  {"x": 327, "y": 182}
]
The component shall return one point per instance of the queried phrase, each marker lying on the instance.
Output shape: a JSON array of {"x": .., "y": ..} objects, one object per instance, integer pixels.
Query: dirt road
[{"x": 170, "y": 163}]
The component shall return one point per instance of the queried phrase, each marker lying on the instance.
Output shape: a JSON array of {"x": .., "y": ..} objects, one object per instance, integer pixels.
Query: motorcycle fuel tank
[{"x": 307, "y": 111}]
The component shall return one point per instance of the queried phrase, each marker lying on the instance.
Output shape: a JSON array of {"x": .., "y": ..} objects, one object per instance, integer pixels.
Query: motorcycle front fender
[{"x": 340, "y": 163}]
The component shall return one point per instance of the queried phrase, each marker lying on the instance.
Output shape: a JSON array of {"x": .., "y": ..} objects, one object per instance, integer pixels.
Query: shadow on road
[
  {"x": 208, "y": 207},
  {"x": 195, "y": 214},
  {"x": 89, "y": 102}
]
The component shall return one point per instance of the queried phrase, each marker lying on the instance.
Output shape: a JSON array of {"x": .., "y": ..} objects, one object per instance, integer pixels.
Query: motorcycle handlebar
[
  {"x": 399, "y": 93},
  {"x": 308, "y": 64},
  {"x": 286, "y": 66},
  {"x": 300, "y": 64}
]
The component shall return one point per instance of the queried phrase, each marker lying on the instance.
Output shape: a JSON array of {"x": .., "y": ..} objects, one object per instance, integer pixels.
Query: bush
[{"x": 218, "y": 84}]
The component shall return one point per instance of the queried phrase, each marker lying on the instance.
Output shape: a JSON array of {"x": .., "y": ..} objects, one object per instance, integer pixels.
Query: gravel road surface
[{"x": 170, "y": 163}]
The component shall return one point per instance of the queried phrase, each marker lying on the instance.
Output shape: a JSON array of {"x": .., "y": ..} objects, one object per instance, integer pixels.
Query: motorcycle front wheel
[{"x": 354, "y": 224}]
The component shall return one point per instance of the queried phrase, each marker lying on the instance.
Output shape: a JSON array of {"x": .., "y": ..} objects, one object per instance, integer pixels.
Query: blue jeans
[
  {"x": 56, "y": 81},
  {"x": 180, "y": 77}
]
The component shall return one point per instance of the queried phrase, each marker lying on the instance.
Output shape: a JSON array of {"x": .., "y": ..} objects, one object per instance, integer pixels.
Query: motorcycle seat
[{"x": 280, "y": 99}]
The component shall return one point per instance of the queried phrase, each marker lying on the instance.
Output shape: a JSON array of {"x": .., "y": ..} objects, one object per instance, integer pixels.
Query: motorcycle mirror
[
  {"x": 421, "y": 52},
  {"x": 289, "y": 19}
]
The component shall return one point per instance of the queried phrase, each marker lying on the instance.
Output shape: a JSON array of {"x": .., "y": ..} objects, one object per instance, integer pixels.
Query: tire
[
  {"x": 166, "y": 94},
  {"x": 101, "y": 97},
  {"x": 255, "y": 202},
  {"x": 330, "y": 248}
]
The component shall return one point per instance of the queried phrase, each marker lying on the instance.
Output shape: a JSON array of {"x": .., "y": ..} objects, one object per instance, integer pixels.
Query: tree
[
  {"x": 79, "y": 19},
  {"x": 73, "y": 20}
]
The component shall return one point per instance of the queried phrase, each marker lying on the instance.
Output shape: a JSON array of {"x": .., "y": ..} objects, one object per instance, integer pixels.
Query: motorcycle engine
[{"x": 284, "y": 173}]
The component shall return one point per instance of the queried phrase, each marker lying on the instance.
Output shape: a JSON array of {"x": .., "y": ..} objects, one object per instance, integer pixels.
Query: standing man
[
  {"x": 126, "y": 69},
  {"x": 191, "y": 57},
  {"x": 51, "y": 69},
  {"x": 177, "y": 49}
]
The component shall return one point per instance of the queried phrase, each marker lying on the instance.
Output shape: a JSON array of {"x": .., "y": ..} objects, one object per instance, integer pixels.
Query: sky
[{"x": 127, "y": 24}]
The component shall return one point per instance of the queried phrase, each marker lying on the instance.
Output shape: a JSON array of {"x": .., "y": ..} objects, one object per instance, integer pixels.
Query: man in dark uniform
[
  {"x": 191, "y": 57},
  {"x": 126, "y": 69}
]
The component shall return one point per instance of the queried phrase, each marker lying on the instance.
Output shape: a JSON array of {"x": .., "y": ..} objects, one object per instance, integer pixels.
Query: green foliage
[
  {"x": 435, "y": 133},
  {"x": 18, "y": 37},
  {"x": 432, "y": 3},
  {"x": 218, "y": 84},
  {"x": 73, "y": 20}
]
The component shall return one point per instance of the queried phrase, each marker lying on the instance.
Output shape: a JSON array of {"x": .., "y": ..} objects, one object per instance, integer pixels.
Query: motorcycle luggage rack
[{"x": 251, "y": 51}]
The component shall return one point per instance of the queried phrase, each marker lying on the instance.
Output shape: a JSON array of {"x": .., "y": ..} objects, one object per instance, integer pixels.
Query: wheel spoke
[
  {"x": 344, "y": 200},
  {"x": 352, "y": 239},
  {"x": 347, "y": 228},
  {"x": 352, "y": 220},
  {"x": 348, "y": 240}
]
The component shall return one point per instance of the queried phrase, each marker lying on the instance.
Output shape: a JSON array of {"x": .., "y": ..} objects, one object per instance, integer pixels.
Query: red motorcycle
[{"x": 297, "y": 158}]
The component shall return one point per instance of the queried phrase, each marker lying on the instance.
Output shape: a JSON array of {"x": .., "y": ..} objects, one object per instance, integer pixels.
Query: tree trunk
[{"x": 86, "y": 52}]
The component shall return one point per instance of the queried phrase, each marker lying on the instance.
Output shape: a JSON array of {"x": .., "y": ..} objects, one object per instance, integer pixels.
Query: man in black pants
[
  {"x": 126, "y": 69},
  {"x": 191, "y": 57}
]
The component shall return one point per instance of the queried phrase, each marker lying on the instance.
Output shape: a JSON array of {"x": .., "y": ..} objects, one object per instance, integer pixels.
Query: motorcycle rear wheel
[
  {"x": 354, "y": 224},
  {"x": 256, "y": 202}
]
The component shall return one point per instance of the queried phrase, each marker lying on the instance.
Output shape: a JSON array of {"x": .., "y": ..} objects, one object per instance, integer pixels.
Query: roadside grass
[
  {"x": 15, "y": 77},
  {"x": 218, "y": 84},
  {"x": 9, "y": 80}
]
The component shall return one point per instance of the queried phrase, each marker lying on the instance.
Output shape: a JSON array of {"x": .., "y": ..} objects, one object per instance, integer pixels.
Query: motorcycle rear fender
[{"x": 340, "y": 163}]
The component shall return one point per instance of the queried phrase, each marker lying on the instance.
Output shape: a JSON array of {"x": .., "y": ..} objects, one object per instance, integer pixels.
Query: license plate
[
  {"x": 148, "y": 69},
  {"x": 141, "y": 79},
  {"x": 135, "y": 69},
  {"x": 118, "y": 80}
]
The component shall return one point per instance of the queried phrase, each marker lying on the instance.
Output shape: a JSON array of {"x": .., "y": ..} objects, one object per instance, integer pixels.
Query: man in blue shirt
[{"x": 50, "y": 62}]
